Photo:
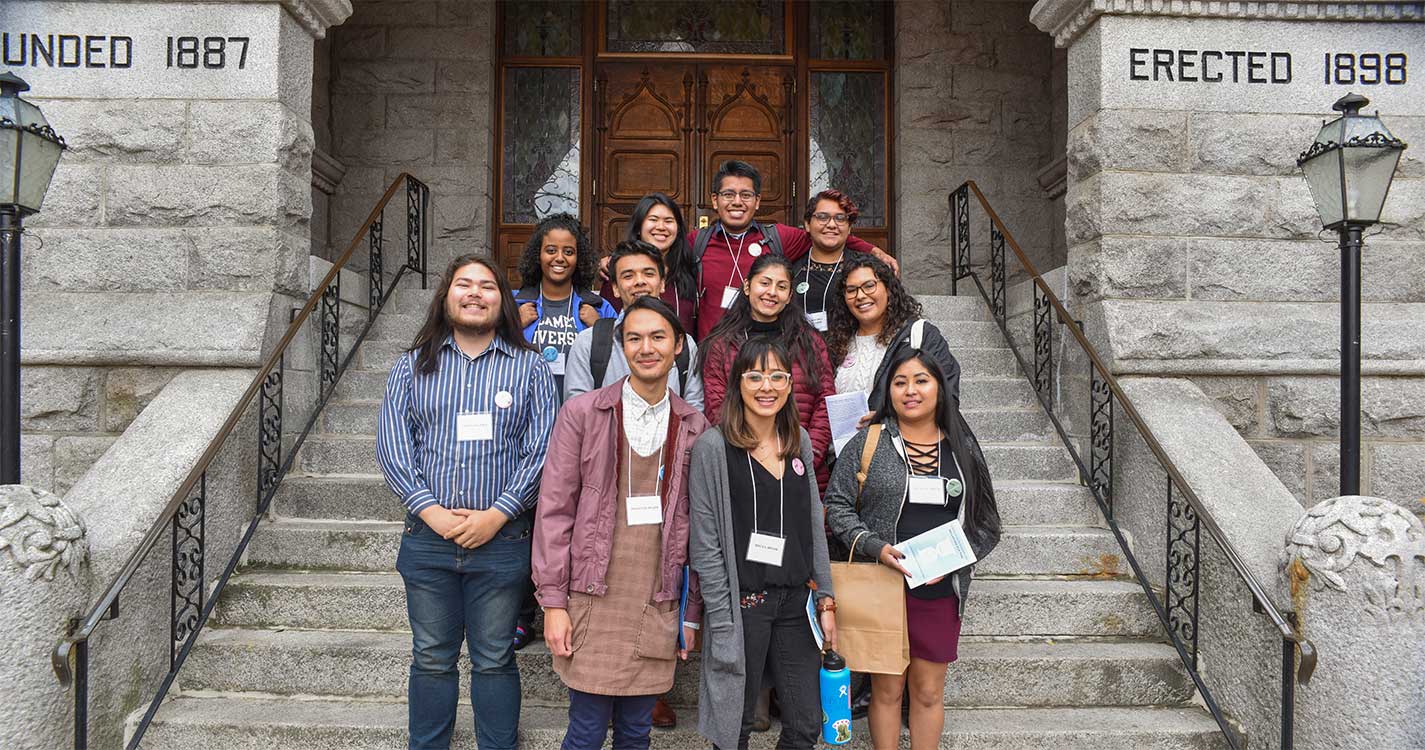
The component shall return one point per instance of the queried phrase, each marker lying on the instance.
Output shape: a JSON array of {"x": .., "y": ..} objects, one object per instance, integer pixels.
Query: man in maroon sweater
[{"x": 735, "y": 241}]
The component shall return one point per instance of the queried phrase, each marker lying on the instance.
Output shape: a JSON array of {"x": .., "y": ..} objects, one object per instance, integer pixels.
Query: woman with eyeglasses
[
  {"x": 828, "y": 221},
  {"x": 926, "y": 470},
  {"x": 757, "y": 543},
  {"x": 768, "y": 308},
  {"x": 873, "y": 323}
]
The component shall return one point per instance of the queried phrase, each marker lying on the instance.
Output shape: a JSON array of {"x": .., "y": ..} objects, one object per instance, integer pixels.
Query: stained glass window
[
  {"x": 543, "y": 28},
  {"x": 848, "y": 139},
  {"x": 848, "y": 30},
  {"x": 748, "y": 27},
  {"x": 540, "y": 173}
]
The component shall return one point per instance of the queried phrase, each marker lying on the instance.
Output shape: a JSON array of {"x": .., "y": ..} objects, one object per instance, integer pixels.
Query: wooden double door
[{"x": 667, "y": 126}]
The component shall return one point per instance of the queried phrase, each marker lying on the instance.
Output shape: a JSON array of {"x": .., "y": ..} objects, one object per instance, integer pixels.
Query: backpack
[
  {"x": 771, "y": 239},
  {"x": 603, "y": 348},
  {"x": 531, "y": 294}
]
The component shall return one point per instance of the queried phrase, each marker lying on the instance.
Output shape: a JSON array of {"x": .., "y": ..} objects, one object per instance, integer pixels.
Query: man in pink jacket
[{"x": 611, "y": 538}]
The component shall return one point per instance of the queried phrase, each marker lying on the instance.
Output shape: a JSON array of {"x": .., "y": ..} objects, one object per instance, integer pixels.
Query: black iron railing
[
  {"x": 1186, "y": 519},
  {"x": 298, "y": 378}
]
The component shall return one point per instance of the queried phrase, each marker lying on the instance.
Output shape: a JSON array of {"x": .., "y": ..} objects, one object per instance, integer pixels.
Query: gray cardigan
[
  {"x": 710, "y": 541},
  {"x": 884, "y": 494}
]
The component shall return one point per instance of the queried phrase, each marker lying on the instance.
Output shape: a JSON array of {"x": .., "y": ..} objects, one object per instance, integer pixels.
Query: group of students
[{"x": 657, "y": 462}]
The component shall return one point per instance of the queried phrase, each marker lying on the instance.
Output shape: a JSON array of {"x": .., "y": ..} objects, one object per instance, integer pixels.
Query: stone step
[
  {"x": 376, "y": 601},
  {"x": 371, "y": 546},
  {"x": 366, "y": 498},
  {"x": 989, "y": 672},
  {"x": 242, "y": 722},
  {"x": 356, "y": 454},
  {"x": 944, "y": 308}
]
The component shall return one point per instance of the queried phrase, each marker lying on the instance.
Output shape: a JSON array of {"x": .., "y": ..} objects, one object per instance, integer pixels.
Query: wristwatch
[{"x": 826, "y": 605}]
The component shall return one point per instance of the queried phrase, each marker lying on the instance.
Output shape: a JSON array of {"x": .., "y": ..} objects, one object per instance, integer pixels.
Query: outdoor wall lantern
[
  {"x": 29, "y": 153},
  {"x": 1349, "y": 168}
]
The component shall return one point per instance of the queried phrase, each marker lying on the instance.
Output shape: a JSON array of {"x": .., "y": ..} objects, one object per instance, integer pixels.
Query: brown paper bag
[{"x": 870, "y": 616}]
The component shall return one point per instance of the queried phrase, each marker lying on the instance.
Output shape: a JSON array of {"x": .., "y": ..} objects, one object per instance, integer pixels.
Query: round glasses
[
  {"x": 869, "y": 288},
  {"x": 779, "y": 379}
]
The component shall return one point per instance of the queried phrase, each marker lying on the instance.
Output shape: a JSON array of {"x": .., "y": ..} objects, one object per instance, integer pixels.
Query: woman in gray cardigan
[
  {"x": 926, "y": 470},
  {"x": 756, "y": 543}
]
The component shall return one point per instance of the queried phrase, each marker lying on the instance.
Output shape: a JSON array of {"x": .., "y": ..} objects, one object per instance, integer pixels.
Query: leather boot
[{"x": 663, "y": 716}]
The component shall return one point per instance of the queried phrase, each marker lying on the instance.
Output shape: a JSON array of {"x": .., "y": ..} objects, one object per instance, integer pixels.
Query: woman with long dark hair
[
  {"x": 926, "y": 470},
  {"x": 768, "y": 308},
  {"x": 657, "y": 220},
  {"x": 756, "y": 539},
  {"x": 873, "y": 321}
]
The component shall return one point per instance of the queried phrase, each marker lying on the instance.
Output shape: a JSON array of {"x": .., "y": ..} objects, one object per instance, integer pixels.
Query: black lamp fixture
[
  {"x": 29, "y": 153},
  {"x": 1349, "y": 168}
]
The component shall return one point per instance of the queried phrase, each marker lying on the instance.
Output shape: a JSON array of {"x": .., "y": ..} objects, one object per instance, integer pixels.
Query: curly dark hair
[
  {"x": 841, "y": 325},
  {"x": 585, "y": 259}
]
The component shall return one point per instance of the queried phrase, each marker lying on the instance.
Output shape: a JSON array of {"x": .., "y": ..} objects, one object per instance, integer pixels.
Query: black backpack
[
  {"x": 603, "y": 349},
  {"x": 770, "y": 238}
]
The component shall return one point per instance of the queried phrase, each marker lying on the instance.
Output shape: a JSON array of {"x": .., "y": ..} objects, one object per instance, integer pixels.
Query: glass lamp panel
[
  {"x": 9, "y": 147},
  {"x": 38, "y": 158},
  {"x": 1368, "y": 174},
  {"x": 1323, "y": 176}
]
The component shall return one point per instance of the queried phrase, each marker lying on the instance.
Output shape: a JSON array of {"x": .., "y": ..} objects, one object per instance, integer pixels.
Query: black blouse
[
  {"x": 929, "y": 460},
  {"x": 796, "y": 554}
]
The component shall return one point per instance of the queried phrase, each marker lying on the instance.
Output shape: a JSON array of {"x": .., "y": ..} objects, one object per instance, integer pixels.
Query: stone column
[
  {"x": 1355, "y": 567},
  {"x": 176, "y": 231},
  {"x": 44, "y": 583},
  {"x": 1194, "y": 246}
]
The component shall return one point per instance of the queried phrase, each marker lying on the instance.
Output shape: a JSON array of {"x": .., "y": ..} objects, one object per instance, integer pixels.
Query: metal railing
[
  {"x": 1186, "y": 518},
  {"x": 302, "y": 371}
]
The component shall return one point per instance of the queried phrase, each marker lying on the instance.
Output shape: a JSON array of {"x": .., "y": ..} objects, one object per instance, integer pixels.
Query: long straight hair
[
  {"x": 979, "y": 516},
  {"x": 437, "y": 328},
  {"x": 792, "y": 328},
  {"x": 759, "y": 353},
  {"x": 681, "y": 271}
]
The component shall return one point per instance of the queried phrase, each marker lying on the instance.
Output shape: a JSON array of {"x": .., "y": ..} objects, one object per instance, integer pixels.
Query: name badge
[
  {"x": 766, "y": 549},
  {"x": 556, "y": 365},
  {"x": 927, "y": 491},
  {"x": 474, "y": 426},
  {"x": 817, "y": 320},
  {"x": 729, "y": 295},
  {"x": 644, "y": 510}
]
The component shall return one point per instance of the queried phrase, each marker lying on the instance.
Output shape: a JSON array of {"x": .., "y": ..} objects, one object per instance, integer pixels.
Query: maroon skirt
[{"x": 934, "y": 627}]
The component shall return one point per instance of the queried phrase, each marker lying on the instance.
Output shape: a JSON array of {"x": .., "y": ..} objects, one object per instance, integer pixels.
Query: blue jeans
[
  {"x": 590, "y": 714},
  {"x": 455, "y": 594}
]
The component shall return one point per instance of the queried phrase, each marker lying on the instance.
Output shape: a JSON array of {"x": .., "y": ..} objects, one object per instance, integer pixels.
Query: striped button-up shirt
[{"x": 416, "y": 443}]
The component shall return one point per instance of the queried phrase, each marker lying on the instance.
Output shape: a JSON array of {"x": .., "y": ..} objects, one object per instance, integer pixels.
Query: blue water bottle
[{"x": 835, "y": 699}]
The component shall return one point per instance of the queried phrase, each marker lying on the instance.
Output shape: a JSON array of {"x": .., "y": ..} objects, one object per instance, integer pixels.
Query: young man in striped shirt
[{"x": 461, "y": 439}]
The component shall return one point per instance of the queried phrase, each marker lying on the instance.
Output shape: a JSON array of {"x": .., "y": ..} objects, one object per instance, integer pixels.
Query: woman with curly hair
[
  {"x": 874, "y": 321},
  {"x": 557, "y": 270},
  {"x": 828, "y": 220}
]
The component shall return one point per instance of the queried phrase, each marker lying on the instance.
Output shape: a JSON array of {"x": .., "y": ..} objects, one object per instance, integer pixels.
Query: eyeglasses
[
  {"x": 731, "y": 195},
  {"x": 779, "y": 379},
  {"x": 869, "y": 288},
  {"x": 827, "y": 218}
]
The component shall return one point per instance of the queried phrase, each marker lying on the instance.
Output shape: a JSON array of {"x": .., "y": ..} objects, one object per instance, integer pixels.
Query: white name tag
[
  {"x": 927, "y": 491},
  {"x": 729, "y": 296},
  {"x": 766, "y": 549},
  {"x": 556, "y": 365},
  {"x": 644, "y": 509},
  {"x": 477, "y": 426},
  {"x": 817, "y": 320}
]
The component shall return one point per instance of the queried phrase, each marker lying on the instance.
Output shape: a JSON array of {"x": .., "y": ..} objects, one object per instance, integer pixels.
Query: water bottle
[{"x": 835, "y": 699}]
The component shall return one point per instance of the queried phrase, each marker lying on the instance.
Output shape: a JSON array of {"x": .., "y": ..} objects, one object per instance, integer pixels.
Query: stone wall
[
  {"x": 974, "y": 100},
  {"x": 411, "y": 92},
  {"x": 1195, "y": 248},
  {"x": 176, "y": 220}
]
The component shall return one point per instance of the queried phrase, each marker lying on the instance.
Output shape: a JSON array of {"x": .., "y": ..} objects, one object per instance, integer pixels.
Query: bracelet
[{"x": 826, "y": 605}]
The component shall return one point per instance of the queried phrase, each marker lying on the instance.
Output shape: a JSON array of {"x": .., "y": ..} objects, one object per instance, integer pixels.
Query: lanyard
[
  {"x": 736, "y": 257},
  {"x": 781, "y": 494},
  {"x": 824, "y": 292}
]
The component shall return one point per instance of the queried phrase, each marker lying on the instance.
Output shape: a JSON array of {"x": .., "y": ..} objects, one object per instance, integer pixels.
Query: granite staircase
[{"x": 309, "y": 647}]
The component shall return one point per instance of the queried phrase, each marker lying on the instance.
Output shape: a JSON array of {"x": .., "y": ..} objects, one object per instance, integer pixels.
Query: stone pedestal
[
  {"x": 44, "y": 583},
  {"x": 1355, "y": 567}
]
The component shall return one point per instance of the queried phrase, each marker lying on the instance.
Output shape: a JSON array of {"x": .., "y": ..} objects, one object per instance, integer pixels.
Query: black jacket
[{"x": 933, "y": 344}]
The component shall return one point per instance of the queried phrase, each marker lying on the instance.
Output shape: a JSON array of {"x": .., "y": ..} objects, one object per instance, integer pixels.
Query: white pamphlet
[
  {"x": 844, "y": 412},
  {"x": 944, "y": 549}
]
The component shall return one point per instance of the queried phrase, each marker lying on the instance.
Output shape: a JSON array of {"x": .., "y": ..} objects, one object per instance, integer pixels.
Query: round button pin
[
  {"x": 953, "y": 487},
  {"x": 503, "y": 399},
  {"x": 803, "y": 287},
  {"x": 755, "y": 249},
  {"x": 798, "y": 466},
  {"x": 550, "y": 354}
]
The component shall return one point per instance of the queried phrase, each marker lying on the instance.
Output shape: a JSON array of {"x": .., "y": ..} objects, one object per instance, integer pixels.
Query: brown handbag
[{"x": 870, "y": 603}]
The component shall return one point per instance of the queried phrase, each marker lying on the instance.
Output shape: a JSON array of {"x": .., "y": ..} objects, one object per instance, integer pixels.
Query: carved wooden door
[{"x": 666, "y": 127}]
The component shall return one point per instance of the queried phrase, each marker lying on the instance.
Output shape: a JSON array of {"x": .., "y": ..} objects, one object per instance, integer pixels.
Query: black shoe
[{"x": 523, "y": 636}]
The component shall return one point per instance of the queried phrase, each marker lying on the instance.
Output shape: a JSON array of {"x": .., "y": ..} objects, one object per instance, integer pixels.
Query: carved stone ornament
[
  {"x": 1067, "y": 19},
  {"x": 1379, "y": 543},
  {"x": 39, "y": 534}
]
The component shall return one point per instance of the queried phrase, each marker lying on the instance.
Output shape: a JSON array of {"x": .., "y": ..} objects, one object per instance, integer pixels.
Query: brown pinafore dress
[{"x": 624, "y": 643}]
